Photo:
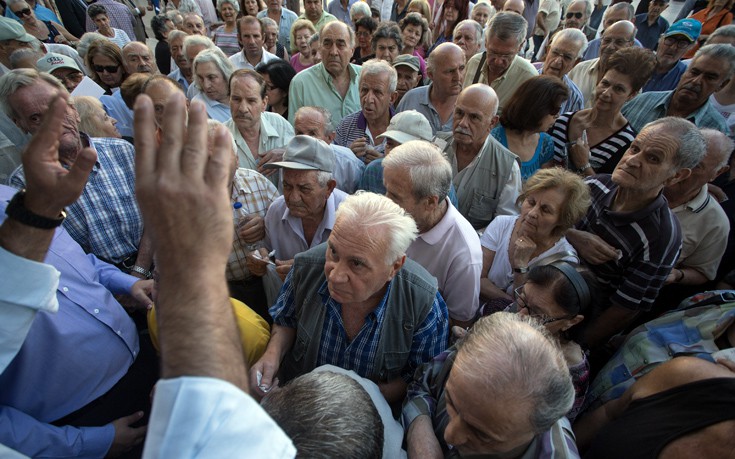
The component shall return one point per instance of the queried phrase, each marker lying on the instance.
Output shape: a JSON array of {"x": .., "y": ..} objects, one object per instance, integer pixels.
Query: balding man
[
  {"x": 515, "y": 6},
  {"x": 333, "y": 83},
  {"x": 578, "y": 17},
  {"x": 418, "y": 178},
  {"x": 562, "y": 55},
  {"x": 487, "y": 176},
  {"x": 251, "y": 37},
  {"x": 616, "y": 13},
  {"x": 446, "y": 69},
  {"x": 448, "y": 412},
  {"x": 183, "y": 74},
  {"x": 194, "y": 24},
  {"x": 711, "y": 70},
  {"x": 587, "y": 74},
  {"x": 137, "y": 58},
  {"x": 500, "y": 66},
  {"x": 468, "y": 35}
]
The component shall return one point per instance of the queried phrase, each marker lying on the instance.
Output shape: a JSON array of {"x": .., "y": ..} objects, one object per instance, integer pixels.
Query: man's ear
[
  {"x": 397, "y": 265},
  {"x": 331, "y": 185},
  {"x": 494, "y": 121},
  {"x": 393, "y": 97},
  {"x": 681, "y": 174}
]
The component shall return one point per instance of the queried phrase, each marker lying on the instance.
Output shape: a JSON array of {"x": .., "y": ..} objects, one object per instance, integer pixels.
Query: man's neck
[
  {"x": 439, "y": 98},
  {"x": 677, "y": 196},
  {"x": 652, "y": 21},
  {"x": 188, "y": 74},
  {"x": 631, "y": 200},
  {"x": 465, "y": 154},
  {"x": 439, "y": 212},
  {"x": 660, "y": 69},
  {"x": 680, "y": 108},
  {"x": 255, "y": 60},
  {"x": 379, "y": 124},
  {"x": 250, "y": 133}
]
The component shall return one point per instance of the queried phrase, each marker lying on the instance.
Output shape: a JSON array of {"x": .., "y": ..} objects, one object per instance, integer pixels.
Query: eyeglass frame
[
  {"x": 23, "y": 12},
  {"x": 576, "y": 14},
  {"x": 678, "y": 43},
  {"x": 106, "y": 68},
  {"x": 519, "y": 294}
]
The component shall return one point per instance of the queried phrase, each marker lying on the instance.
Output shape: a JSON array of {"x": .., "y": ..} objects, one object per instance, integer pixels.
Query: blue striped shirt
[{"x": 653, "y": 105}]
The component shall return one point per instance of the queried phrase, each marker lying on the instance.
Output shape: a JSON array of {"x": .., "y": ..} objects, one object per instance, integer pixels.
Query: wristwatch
[
  {"x": 17, "y": 211},
  {"x": 142, "y": 271},
  {"x": 584, "y": 168}
]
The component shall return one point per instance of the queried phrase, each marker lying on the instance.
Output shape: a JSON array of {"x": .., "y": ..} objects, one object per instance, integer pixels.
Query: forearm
[
  {"x": 689, "y": 276},
  {"x": 490, "y": 291},
  {"x": 421, "y": 440},
  {"x": 394, "y": 391},
  {"x": 145, "y": 252},
  {"x": 25, "y": 241},
  {"x": 282, "y": 338}
]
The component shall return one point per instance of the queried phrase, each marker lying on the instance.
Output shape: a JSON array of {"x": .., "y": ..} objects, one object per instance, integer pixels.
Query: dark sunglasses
[
  {"x": 23, "y": 12},
  {"x": 577, "y": 15},
  {"x": 105, "y": 68}
]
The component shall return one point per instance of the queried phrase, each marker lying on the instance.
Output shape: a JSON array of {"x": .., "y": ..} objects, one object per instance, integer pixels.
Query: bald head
[
  {"x": 137, "y": 58},
  {"x": 618, "y": 36},
  {"x": 484, "y": 95},
  {"x": 514, "y": 6},
  {"x": 160, "y": 89},
  {"x": 446, "y": 67},
  {"x": 475, "y": 115}
]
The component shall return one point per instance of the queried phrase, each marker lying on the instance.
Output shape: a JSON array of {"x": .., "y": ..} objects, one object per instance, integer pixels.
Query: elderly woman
[
  {"x": 553, "y": 200},
  {"x": 98, "y": 15},
  {"x": 252, "y": 7},
  {"x": 452, "y": 13},
  {"x": 422, "y": 7},
  {"x": 104, "y": 62},
  {"x": 593, "y": 140},
  {"x": 387, "y": 42},
  {"x": 161, "y": 26},
  {"x": 364, "y": 29},
  {"x": 529, "y": 113},
  {"x": 225, "y": 36},
  {"x": 277, "y": 75},
  {"x": 46, "y": 31},
  {"x": 212, "y": 72},
  {"x": 94, "y": 121},
  {"x": 283, "y": 20},
  {"x": 359, "y": 10},
  {"x": 301, "y": 32},
  {"x": 270, "y": 39},
  {"x": 415, "y": 33}
]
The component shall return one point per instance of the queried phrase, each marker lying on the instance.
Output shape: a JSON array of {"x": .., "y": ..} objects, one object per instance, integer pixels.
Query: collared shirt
[
  {"x": 179, "y": 77},
  {"x": 584, "y": 75},
  {"x": 355, "y": 126},
  {"x": 575, "y": 101},
  {"x": 336, "y": 9},
  {"x": 372, "y": 180},
  {"x": 115, "y": 107},
  {"x": 315, "y": 87},
  {"x": 120, "y": 17},
  {"x": 285, "y": 234},
  {"x": 648, "y": 241},
  {"x": 288, "y": 17},
  {"x": 665, "y": 81},
  {"x": 348, "y": 169},
  {"x": 358, "y": 355},
  {"x": 325, "y": 18},
  {"x": 256, "y": 193},
  {"x": 651, "y": 106},
  {"x": 105, "y": 220},
  {"x": 648, "y": 35},
  {"x": 518, "y": 72},
  {"x": 239, "y": 61},
  {"x": 451, "y": 252},
  {"x": 214, "y": 410},
  {"x": 275, "y": 132},
  {"x": 418, "y": 99},
  {"x": 216, "y": 110},
  {"x": 65, "y": 347}
]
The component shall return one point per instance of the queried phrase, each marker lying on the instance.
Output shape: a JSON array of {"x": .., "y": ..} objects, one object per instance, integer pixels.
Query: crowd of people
[{"x": 387, "y": 228}]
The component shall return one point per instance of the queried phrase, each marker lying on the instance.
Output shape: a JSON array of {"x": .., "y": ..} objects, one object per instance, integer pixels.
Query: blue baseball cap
[{"x": 690, "y": 28}]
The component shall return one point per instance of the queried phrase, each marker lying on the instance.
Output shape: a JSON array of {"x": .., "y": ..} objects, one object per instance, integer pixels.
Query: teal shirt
[{"x": 315, "y": 87}]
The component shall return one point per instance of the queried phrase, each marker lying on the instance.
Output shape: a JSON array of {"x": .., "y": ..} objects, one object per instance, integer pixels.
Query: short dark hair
[
  {"x": 280, "y": 72},
  {"x": 248, "y": 73},
  {"x": 158, "y": 26},
  {"x": 95, "y": 10},
  {"x": 563, "y": 292},
  {"x": 532, "y": 101},
  {"x": 389, "y": 30},
  {"x": 366, "y": 22},
  {"x": 636, "y": 63},
  {"x": 249, "y": 20}
]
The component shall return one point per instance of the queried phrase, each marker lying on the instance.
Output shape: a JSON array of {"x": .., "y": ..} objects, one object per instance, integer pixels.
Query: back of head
[
  {"x": 197, "y": 40},
  {"x": 507, "y": 26},
  {"x": 719, "y": 145},
  {"x": 624, "y": 8},
  {"x": 132, "y": 87},
  {"x": 86, "y": 41},
  {"x": 722, "y": 33},
  {"x": 430, "y": 172},
  {"x": 536, "y": 98},
  {"x": 692, "y": 145},
  {"x": 327, "y": 415},
  {"x": 513, "y": 357},
  {"x": 636, "y": 63}
]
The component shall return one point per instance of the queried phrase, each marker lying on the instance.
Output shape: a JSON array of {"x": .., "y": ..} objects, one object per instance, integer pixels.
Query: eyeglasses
[
  {"x": 681, "y": 44},
  {"x": 106, "y": 68},
  {"x": 75, "y": 77},
  {"x": 502, "y": 57},
  {"x": 23, "y": 12},
  {"x": 617, "y": 41},
  {"x": 521, "y": 303},
  {"x": 577, "y": 15}
]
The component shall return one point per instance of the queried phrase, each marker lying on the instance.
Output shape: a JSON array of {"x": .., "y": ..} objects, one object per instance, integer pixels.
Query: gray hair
[
  {"x": 326, "y": 116},
  {"x": 86, "y": 106},
  {"x": 718, "y": 144},
  {"x": 588, "y": 8},
  {"x": 266, "y": 21},
  {"x": 505, "y": 26},
  {"x": 327, "y": 414},
  {"x": 380, "y": 67},
  {"x": 21, "y": 54},
  {"x": 629, "y": 10},
  {"x": 314, "y": 39},
  {"x": 235, "y": 4},
  {"x": 86, "y": 41},
  {"x": 359, "y": 8},
  {"x": 727, "y": 31},
  {"x": 334, "y": 24},
  {"x": 176, "y": 34},
  {"x": 216, "y": 57},
  {"x": 197, "y": 40},
  {"x": 379, "y": 217},
  {"x": 388, "y": 30},
  {"x": 430, "y": 172},
  {"x": 692, "y": 145},
  {"x": 473, "y": 23},
  {"x": 574, "y": 35},
  {"x": 516, "y": 357},
  {"x": 21, "y": 78},
  {"x": 722, "y": 52}
]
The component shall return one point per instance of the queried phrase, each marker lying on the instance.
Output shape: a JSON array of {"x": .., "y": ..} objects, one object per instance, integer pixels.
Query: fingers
[
  {"x": 130, "y": 419},
  {"x": 727, "y": 363},
  {"x": 194, "y": 155},
  {"x": 79, "y": 171},
  {"x": 218, "y": 168},
  {"x": 43, "y": 145},
  {"x": 145, "y": 138},
  {"x": 174, "y": 130}
]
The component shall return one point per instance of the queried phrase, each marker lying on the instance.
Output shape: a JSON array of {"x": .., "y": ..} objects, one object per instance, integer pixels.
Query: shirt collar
[
  {"x": 362, "y": 122},
  {"x": 376, "y": 314},
  {"x": 626, "y": 218},
  {"x": 439, "y": 231},
  {"x": 327, "y": 220}
]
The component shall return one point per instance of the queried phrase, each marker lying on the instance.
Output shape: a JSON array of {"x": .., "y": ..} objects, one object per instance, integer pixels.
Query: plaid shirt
[
  {"x": 256, "y": 193},
  {"x": 120, "y": 17},
  {"x": 353, "y": 127},
  {"x": 429, "y": 339},
  {"x": 105, "y": 220}
]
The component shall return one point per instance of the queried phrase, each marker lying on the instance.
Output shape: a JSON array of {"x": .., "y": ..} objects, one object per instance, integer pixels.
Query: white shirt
[
  {"x": 240, "y": 62},
  {"x": 348, "y": 169}
]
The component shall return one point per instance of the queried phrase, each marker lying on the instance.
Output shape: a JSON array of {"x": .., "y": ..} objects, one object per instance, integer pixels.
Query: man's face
[
  {"x": 102, "y": 22},
  {"x": 500, "y": 54},
  {"x": 466, "y": 38},
  {"x": 305, "y": 198},
  {"x": 561, "y": 58},
  {"x": 448, "y": 75},
  {"x": 246, "y": 104},
  {"x": 355, "y": 268},
  {"x": 70, "y": 78},
  {"x": 655, "y": 9},
  {"x": 138, "y": 59},
  {"x": 251, "y": 40},
  {"x": 473, "y": 120},
  {"x": 177, "y": 52},
  {"x": 398, "y": 186},
  {"x": 671, "y": 49},
  {"x": 211, "y": 81},
  {"x": 576, "y": 16},
  {"x": 408, "y": 78},
  {"x": 313, "y": 9},
  {"x": 194, "y": 25},
  {"x": 483, "y": 425},
  {"x": 703, "y": 173},
  {"x": 481, "y": 13},
  {"x": 386, "y": 49},
  {"x": 514, "y": 6},
  {"x": 335, "y": 48},
  {"x": 311, "y": 123},
  {"x": 616, "y": 37},
  {"x": 375, "y": 96},
  {"x": 613, "y": 17},
  {"x": 160, "y": 93},
  {"x": 8, "y": 47},
  {"x": 705, "y": 75}
]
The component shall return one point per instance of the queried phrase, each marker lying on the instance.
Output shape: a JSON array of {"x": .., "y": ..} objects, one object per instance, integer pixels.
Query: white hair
[
  {"x": 429, "y": 170},
  {"x": 218, "y": 58},
  {"x": 197, "y": 40},
  {"x": 380, "y": 67},
  {"x": 574, "y": 35},
  {"x": 233, "y": 3},
  {"x": 719, "y": 145},
  {"x": 359, "y": 7},
  {"x": 20, "y": 78}
]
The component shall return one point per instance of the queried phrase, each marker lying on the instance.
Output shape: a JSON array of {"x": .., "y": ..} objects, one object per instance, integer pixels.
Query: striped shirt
[
  {"x": 653, "y": 105},
  {"x": 226, "y": 41},
  {"x": 353, "y": 127},
  {"x": 649, "y": 241}
]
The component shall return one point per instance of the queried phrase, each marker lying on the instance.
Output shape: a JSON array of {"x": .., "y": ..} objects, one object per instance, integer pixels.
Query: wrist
[{"x": 680, "y": 276}]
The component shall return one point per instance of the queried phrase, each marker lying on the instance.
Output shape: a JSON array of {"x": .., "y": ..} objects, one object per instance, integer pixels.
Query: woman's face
[
  {"x": 540, "y": 213},
  {"x": 275, "y": 95},
  {"x": 271, "y": 35},
  {"x": 302, "y": 37},
  {"x": 104, "y": 125},
  {"x": 451, "y": 13},
  {"x": 415, "y": 8},
  {"x": 24, "y": 12},
  {"x": 251, "y": 7},
  {"x": 109, "y": 70},
  {"x": 364, "y": 37},
  {"x": 228, "y": 13},
  {"x": 613, "y": 90},
  {"x": 211, "y": 81},
  {"x": 538, "y": 302},
  {"x": 411, "y": 35}
]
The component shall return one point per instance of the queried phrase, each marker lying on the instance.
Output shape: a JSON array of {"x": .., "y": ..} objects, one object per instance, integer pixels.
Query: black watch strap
[{"x": 17, "y": 211}]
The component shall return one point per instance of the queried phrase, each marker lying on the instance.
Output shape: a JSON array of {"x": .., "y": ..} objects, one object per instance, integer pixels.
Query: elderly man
[
  {"x": 160, "y": 89},
  {"x": 562, "y": 55},
  {"x": 408, "y": 70},
  {"x": 317, "y": 122},
  {"x": 487, "y": 176},
  {"x": 587, "y": 74},
  {"x": 448, "y": 404},
  {"x": 629, "y": 237},
  {"x": 672, "y": 45},
  {"x": 12, "y": 37},
  {"x": 194, "y": 24},
  {"x": 481, "y": 12},
  {"x": 137, "y": 58},
  {"x": 63, "y": 68},
  {"x": 711, "y": 70},
  {"x": 418, "y": 178},
  {"x": 616, "y": 13},
  {"x": 468, "y": 36},
  {"x": 314, "y": 11},
  {"x": 651, "y": 24},
  {"x": 285, "y": 19},
  {"x": 500, "y": 66},
  {"x": 358, "y": 303},
  {"x": 333, "y": 82},
  {"x": 256, "y": 132},
  {"x": 251, "y": 36},
  {"x": 515, "y": 6},
  {"x": 578, "y": 17},
  {"x": 183, "y": 74},
  {"x": 360, "y": 130},
  {"x": 445, "y": 68}
]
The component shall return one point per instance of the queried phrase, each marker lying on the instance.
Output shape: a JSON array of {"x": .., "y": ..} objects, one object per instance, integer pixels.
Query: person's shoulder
[
  {"x": 274, "y": 119},
  {"x": 111, "y": 142},
  {"x": 525, "y": 66},
  {"x": 475, "y": 60}
]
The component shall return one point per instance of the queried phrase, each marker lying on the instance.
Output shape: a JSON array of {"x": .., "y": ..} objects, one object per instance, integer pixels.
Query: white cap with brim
[
  {"x": 408, "y": 125},
  {"x": 54, "y": 61},
  {"x": 10, "y": 29},
  {"x": 307, "y": 154}
]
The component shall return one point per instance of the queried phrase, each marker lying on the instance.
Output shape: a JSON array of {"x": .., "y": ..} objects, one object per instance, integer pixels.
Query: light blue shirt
[
  {"x": 42, "y": 14},
  {"x": 177, "y": 76},
  {"x": 336, "y": 9},
  {"x": 315, "y": 87},
  {"x": 116, "y": 108},
  {"x": 288, "y": 17},
  {"x": 216, "y": 110}
]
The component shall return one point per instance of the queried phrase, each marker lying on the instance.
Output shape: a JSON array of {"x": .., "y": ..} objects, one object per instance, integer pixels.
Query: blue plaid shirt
[
  {"x": 429, "y": 339},
  {"x": 105, "y": 220}
]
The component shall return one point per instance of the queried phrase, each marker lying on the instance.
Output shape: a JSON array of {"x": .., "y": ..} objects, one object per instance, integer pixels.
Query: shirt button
[
  {"x": 119, "y": 332},
  {"x": 65, "y": 289},
  {"x": 96, "y": 311}
]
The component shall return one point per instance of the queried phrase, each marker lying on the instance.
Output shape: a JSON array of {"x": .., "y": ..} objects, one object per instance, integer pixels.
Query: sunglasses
[
  {"x": 23, "y": 12},
  {"x": 577, "y": 15},
  {"x": 106, "y": 68}
]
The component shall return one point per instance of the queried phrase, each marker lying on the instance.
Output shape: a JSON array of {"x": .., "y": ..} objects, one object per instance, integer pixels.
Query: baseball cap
[
  {"x": 306, "y": 154},
  {"x": 408, "y": 125},
  {"x": 690, "y": 28},
  {"x": 53, "y": 61},
  {"x": 407, "y": 60},
  {"x": 11, "y": 29}
]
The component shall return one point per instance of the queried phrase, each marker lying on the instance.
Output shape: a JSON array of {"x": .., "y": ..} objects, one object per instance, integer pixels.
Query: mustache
[{"x": 692, "y": 87}]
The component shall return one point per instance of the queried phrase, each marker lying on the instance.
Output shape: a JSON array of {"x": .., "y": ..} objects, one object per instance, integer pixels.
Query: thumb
[{"x": 133, "y": 418}]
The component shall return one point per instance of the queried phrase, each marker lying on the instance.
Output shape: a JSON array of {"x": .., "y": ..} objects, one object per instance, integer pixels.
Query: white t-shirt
[{"x": 727, "y": 111}]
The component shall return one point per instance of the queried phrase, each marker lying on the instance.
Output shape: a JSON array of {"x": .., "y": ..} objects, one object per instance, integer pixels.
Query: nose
[
  {"x": 336, "y": 274},
  {"x": 454, "y": 433}
]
